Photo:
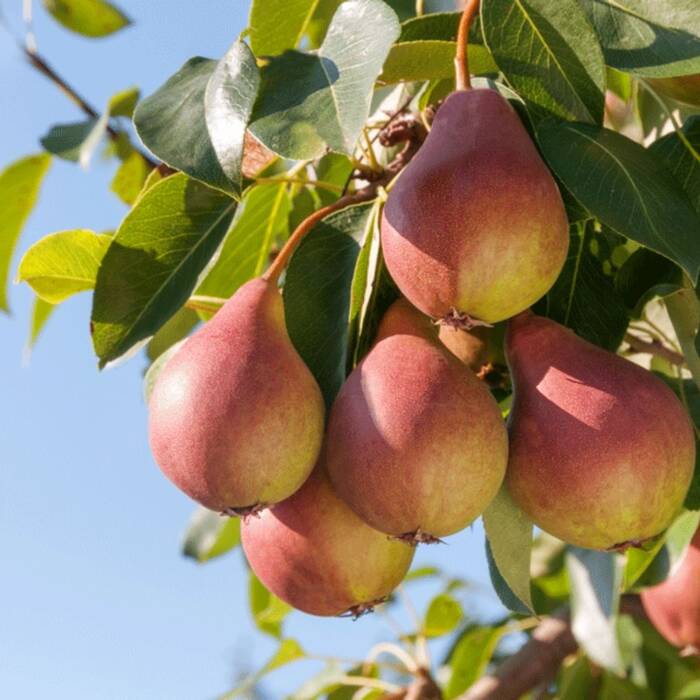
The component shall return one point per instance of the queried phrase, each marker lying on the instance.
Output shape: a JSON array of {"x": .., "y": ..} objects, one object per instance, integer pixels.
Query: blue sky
[{"x": 96, "y": 600}]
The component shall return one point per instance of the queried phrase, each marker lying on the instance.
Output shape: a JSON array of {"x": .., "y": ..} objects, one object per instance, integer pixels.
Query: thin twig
[
  {"x": 74, "y": 96},
  {"x": 654, "y": 347}
]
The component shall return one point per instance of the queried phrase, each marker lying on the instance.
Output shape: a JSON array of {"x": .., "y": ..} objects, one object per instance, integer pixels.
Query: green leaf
[
  {"x": 575, "y": 680},
  {"x": 645, "y": 275},
  {"x": 317, "y": 295},
  {"x": 228, "y": 101},
  {"x": 655, "y": 39},
  {"x": 626, "y": 187},
  {"x": 427, "y": 60},
  {"x": 75, "y": 142},
  {"x": 443, "y": 615},
  {"x": 64, "y": 263},
  {"x": 209, "y": 535},
  {"x": 549, "y": 53},
  {"x": 171, "y": 122},
  {"x": 41, "y": 311},
  {"x": 260, "y": 220},
  {"x": 509, "y": 533},
  {"x": 154, "y": 262},
  {"x": 680, "y": 160},
  {"x": 19, "y": 189},
  {"x": 595, "y": 579},
  {"x": 638, "y": 561},
  {"x": 276, "y": 25},
  {"x": 173, "y": 331},
  {"x": 421, "y": 573},
  {"x": 679, "y": 535},
  {"x": 437, "y": 26},
  {"x": 289, "y": 651},
  {"x": 690, "y": 691},
  {"x": 470, "y": 657},
  {"x": 267, "y": 609},
  {"x": 584, "y": 297},
  {"x": 123, "y": 103},
  {"x": 130, "y": 177},
  {"x": 309, "y": 102},
  {"x": 93, "y": 18}
]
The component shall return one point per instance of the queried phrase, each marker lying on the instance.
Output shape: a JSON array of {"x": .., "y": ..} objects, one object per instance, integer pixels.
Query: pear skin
[
  {"x": 601, "y": 451},
  {"x": 314, "y": 553},
  {"x": 674, "y": 605},
  {"x": 236, "y": 418},
  {"x": 416, "y": 444},
  {"x": 475, "y": 225}
]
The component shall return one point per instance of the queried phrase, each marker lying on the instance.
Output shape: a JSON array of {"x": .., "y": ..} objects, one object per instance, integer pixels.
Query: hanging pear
[
  {"x": 674, "y": 605},
  {"x": 601, "y": 451},
  {"x": 415, "y": 444},
  {"x": 475, "y": 229},
  {"x": 314, "y": 553},
  {"x": 236, "y": 418}
]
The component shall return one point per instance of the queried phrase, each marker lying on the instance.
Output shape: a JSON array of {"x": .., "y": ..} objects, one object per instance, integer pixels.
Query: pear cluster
[{"x": 597, "y": 451}]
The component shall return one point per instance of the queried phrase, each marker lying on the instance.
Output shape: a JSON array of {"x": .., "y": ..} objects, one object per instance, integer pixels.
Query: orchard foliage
[{"x": 321, "y": 97}]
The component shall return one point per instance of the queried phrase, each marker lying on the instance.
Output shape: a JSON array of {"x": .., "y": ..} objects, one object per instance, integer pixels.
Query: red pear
[
  {"x": 416, "y": 444},
  {"x": 674, "y": 605},
  {"x": 236, "y": 418},
  {"x": 314, "y": 553},
  {"x": 601, "y": 451},
  {"x": 475, "y": 227}
]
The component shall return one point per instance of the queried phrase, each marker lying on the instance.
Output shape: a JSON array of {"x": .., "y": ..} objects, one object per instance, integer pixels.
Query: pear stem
[
  {"x": 275, "y": 270},
  {"x": 462, "y": 81}
]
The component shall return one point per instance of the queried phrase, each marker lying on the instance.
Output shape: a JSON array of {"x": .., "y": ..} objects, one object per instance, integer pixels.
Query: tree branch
[
  {"x": 536, "y": 663},
  {"x": 74, "y": 96},
  {"x": 654, "y": 347}
]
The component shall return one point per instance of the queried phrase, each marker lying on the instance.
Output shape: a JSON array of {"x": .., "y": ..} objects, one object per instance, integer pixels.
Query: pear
[
  {"x": 601, "y": 451},
  {"x": 475, "y": 229},
  {"x": 314, "y": 553},
  {"x": 683, "y": 88},
  {"x": 236, "y": 418},
  {"x": 674, "y": 605},
  {"x": 470, "y": 347},
  {"x": 415, "y": 443}
]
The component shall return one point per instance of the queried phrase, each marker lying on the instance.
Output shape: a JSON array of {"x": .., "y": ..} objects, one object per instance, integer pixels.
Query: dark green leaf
[
  {"x": 209, "y": 535},
  {"x": 595, "y": 596},
  {"x": 509, "y": 533},
  {"x": 276, "y": 25},
  {"x": 638, "y": 561},
  {"x": 171, "y": 123},
  {"x": 584, "y": 297},
  {"x": 62, "y": 264},
  {"x": 267, "y": 609},
  {"x": 310, "y": 102},
  {"x": 550, "y": 55},
  {"x": 317, "y": 295},
  {"x": 440, "y": 26},
  {"x": 260, "y": 221},
  {"x": 470, "y": 657},
  {"x": 68, "y": 140},
  {"x": 154, "y": 262},
  {"x": 443, "y": 615},
  {"x": 626, "y": 187},
  {"x": 229, "y": 99},
  {"x": 680, "y": 160},
  {"x": 93, "y": 18},
  {"x": 646, "y": 37},
  {"x": 19, "y": 189},
  {"x": 645, "y": 275}
]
